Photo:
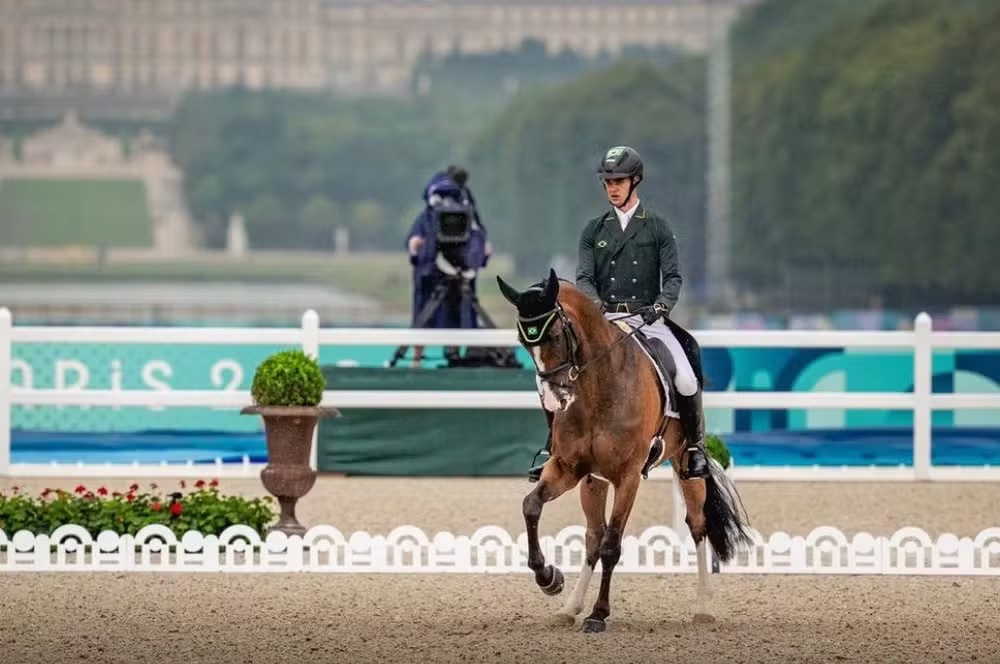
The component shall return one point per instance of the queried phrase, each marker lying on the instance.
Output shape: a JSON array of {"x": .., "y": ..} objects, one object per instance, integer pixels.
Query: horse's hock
[{"x": 288, "y": 476}]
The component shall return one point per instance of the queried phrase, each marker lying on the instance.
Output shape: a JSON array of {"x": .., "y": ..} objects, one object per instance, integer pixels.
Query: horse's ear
[
  {"x": 509, "y": 292},
  {"x": 551, "y": 289}
]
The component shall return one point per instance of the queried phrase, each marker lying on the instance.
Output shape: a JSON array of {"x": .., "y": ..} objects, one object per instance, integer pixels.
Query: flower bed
[{"x": 204, "y": 508}]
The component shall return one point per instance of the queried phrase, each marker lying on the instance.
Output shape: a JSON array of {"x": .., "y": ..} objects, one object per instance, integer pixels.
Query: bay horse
[{"x": 608, "y": 409}]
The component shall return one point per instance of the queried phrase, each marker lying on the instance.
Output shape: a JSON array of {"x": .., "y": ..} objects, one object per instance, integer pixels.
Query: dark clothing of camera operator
[
  {"x": 436, "y": 259},
  {"x": 628, "y": 264}
]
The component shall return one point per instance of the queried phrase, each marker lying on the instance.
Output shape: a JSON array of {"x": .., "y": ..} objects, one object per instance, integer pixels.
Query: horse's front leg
[
  {"x": 611, "y": 550},
  {"x": 555, "y": 481},
  {"x": 593, "y": 499}
]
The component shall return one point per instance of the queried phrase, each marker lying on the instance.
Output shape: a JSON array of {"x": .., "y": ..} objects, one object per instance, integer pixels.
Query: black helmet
[{"x": 620, "y": 162}]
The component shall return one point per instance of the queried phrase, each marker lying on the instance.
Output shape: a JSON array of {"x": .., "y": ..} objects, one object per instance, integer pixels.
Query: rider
[{"x": 628, "y": 264}]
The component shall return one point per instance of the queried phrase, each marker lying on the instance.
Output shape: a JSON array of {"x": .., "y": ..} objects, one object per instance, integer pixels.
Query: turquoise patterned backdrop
[{"x": 182, "y": 366}]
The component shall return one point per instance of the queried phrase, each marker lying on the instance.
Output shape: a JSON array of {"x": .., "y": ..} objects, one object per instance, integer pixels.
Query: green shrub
[
  {"x": 288, "y": 378},
  {"x": 717, "y": 449},
  {"x": 204, "y": 509}
]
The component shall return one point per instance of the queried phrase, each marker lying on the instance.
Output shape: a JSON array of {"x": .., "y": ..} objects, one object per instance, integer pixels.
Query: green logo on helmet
[{"x": 532, "y": 331}]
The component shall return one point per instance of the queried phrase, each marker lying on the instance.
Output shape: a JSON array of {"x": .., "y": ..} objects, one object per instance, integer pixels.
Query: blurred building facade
[{"x": 132, "y": 59}]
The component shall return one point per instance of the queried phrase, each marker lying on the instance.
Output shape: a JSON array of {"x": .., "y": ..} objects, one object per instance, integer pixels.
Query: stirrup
[
  {"x": 535, "y": 472},
  {"x": 698, "y": 470}
]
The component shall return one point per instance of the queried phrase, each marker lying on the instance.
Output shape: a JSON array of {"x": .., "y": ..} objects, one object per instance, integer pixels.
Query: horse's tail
[{"x": 725, "y": 518}]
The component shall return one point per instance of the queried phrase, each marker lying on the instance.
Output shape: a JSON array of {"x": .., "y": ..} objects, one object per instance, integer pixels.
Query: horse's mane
[{"x": 581, "y": 307}]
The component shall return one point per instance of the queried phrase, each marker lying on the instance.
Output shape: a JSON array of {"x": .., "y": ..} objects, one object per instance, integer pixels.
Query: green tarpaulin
[{"x": 425, "y": 441}]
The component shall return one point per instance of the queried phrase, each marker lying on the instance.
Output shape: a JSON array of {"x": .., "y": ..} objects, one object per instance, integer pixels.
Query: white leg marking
[
  {"x": 549, "y": 399},
  {"x": 574, "y": 602},
  {"x": 705, "y": 591}
]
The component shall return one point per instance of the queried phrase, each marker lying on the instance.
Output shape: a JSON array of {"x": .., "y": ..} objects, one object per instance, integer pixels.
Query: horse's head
[{"x": 546, "y": 331}]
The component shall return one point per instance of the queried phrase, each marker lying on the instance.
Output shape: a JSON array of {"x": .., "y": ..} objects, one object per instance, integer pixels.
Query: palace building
[{"x": 139, "y": 56}]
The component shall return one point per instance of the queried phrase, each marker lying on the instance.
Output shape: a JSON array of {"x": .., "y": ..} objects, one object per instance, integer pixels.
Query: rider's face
[{"x": 617, "y": 190}]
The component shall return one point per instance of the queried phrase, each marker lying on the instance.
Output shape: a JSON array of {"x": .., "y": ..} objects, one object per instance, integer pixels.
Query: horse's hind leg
[
  {"x": 555, "y": 481},
  {"x": 593, "y": 498},
  {"x": 694, "y": 498},
  {"x": 611, "y": 550}
]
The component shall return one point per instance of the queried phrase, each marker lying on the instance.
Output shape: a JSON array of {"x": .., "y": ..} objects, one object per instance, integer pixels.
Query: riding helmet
[{"x": 620, "y": 162}]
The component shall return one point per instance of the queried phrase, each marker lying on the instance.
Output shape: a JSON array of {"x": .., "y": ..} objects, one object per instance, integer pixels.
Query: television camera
[{"x": 453, "y": 219}]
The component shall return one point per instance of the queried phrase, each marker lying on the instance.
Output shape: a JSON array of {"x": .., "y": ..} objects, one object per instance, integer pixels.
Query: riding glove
[{"x": 653, "y": 313}]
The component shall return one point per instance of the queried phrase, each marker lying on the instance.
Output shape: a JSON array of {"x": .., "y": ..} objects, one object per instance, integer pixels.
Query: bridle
[{"x": 533, "y": 330}]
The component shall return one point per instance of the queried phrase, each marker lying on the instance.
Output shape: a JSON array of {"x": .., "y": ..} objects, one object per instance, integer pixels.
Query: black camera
[{"x": 452, "y": 221}]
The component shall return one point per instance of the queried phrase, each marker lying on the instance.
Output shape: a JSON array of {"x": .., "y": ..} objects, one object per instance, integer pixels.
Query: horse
[{"x": 606, "y": 397}]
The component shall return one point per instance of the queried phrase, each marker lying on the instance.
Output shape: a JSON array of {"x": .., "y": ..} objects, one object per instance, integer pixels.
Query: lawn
[
  {"x": 384, "y": 276},
  {"x": 74, "y": 212}
]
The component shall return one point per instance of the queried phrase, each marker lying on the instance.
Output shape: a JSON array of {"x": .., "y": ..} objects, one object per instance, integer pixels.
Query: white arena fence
[
  {"x": 488, "y": 550},
  {"x": 922, "y": 341}
]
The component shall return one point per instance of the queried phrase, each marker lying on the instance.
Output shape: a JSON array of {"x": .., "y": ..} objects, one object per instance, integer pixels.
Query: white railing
[
  {"x": 922, "y": 401},
  {"x": 323, "y": 549}
]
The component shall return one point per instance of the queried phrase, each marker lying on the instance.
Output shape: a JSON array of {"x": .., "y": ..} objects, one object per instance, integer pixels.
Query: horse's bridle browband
[{"x": 533, "y": 331}]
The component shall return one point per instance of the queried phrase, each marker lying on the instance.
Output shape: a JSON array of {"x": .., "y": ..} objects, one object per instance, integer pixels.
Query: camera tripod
[{"x": 450, "y": 285}]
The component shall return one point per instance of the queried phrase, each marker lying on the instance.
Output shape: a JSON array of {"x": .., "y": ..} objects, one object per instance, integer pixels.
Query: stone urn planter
[{"x": 287, "y": 390}]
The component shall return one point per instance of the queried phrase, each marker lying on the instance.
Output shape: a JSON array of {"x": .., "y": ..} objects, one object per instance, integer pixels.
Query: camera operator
[{"x": 447, "y": 244}]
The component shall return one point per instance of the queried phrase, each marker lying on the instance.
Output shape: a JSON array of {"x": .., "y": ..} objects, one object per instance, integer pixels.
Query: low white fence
[
  {"x": 488, "y": 550},
  {"x": 922, "y": 341}
]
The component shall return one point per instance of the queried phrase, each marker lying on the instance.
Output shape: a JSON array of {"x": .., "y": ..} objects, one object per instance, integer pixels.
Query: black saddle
[
  {"x": 665, "y": 361},
  {"x": 659, "y": 352}
]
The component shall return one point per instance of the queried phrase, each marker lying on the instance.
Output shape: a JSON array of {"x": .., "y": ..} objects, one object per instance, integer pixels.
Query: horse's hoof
[
  {"x": 703, "y": 618},
  {"x": 593, "y": 626},
  {"x": 556, "y": 585},
  {"x": 563, "y": 618}
]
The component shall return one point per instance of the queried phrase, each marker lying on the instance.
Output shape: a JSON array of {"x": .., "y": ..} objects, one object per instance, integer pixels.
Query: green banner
[{"x": 431, "y": 441}]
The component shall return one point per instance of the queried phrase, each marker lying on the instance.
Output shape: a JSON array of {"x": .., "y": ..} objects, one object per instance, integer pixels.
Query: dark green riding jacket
[{"x": 637, "y": 267}]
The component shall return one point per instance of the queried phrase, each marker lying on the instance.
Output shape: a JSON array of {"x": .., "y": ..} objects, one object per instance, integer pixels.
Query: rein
[{"x": 533, "y": 335}]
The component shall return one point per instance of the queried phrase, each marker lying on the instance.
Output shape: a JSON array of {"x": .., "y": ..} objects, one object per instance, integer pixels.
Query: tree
[
  {"x": 856, "y": 153},
  {"x": 537, "y": 160}
]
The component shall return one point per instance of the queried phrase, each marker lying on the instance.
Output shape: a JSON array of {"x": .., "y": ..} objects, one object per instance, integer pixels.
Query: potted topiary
[
  {"x": 717, "y": 449},
  {"x": 287, "y": 389}
]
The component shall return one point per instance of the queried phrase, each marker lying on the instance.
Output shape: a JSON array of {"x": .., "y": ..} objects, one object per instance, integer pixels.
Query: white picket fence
[
  {"x": 488, "y": 550},
  {"x": 922, "y": 341}
]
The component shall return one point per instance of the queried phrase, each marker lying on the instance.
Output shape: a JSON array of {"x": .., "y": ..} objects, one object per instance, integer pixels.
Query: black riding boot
[
  {"x": 693, "y": 423},
  {"x": 535, "y": 472}
]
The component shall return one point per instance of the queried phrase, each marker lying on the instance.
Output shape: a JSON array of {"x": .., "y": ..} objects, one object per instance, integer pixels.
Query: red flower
[
  {"x": 81, "y": 489},
  {"x": 46, "y": 492},
  {"x": 199, "y": 484},
  {"x": 16, "y": 489},
  {"x": 134, "y": 487},
  {"x": 90, "y": 494},
  {"x": 130, "y": 498},
  {"x": 214, "y": 483},
  {"x": 175, "y": 509},
  {"x": 155, "y": 506},
  {"x": 102, "y": 491}
]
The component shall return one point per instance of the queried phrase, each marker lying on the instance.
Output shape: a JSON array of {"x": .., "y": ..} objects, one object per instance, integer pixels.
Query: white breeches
[{"x": 685, "y": 381}]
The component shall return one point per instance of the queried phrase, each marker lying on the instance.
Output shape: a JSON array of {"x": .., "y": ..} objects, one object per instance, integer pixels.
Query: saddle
[{"x": 663, "y": 362}]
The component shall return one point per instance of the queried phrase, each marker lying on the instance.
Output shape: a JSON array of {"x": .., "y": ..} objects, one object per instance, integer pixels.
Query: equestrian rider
[{"x": 628, "y": 264}]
